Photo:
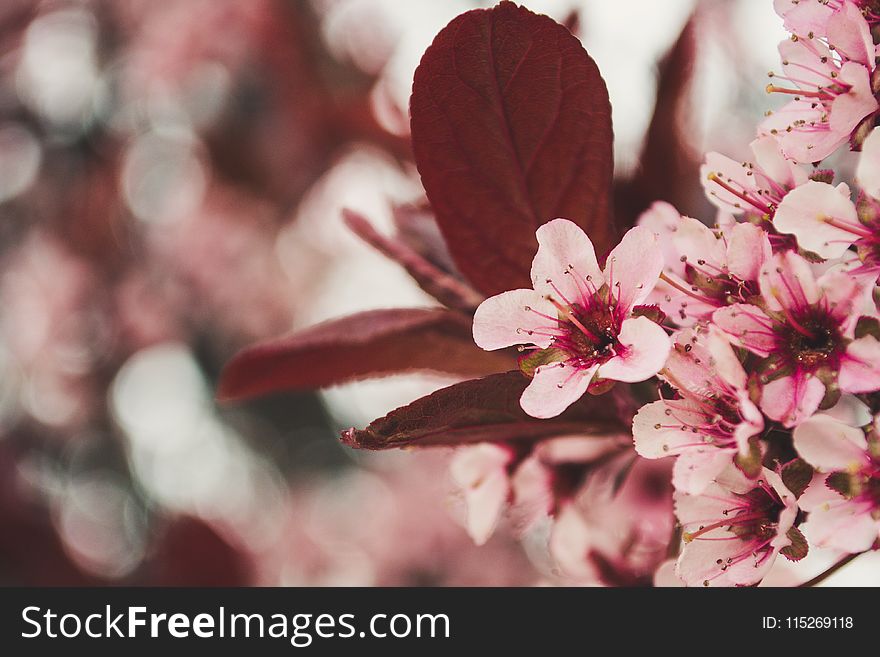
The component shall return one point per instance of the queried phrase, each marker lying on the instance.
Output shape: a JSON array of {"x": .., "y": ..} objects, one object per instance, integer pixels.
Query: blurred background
[{"x": 171, "y": 179}]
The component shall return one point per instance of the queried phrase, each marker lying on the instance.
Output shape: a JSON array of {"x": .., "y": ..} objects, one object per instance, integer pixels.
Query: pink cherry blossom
[
  {"x": 832, "y": 94},
  {"x": 843, "y": 499},
  {"x": 735, "y": 530},
  {"x": 757, "y": 186},
  {"x": 712, "y": 419},
  {"x": 803, "y": 329},
  {"x": 616, "y": 533},
  {"x": 704, "y": 268},
  {"x": 584, "y": 313},
  {"x": 527, "y": 484}
]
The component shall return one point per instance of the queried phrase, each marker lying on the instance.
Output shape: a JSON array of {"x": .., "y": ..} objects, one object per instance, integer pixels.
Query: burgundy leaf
[
  {"x": 511, "y": 127},
  {"x": 444, "y": 287},
  {"x": 366, "y": 344},
  {"x": 417, "y": 227},
  {"x": 481, "y": 410}
]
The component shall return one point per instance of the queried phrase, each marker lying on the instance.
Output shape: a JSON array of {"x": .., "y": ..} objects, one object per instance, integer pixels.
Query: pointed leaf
[
  {"x": 511, "y": 128},
  {"x": 444, "y": 287},
  {"x": 367, "y": 344},
  {"x": 482, "y": 410}
]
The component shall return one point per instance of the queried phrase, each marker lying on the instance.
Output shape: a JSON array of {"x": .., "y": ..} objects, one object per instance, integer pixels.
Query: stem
[{"x": 821, "y": 577}]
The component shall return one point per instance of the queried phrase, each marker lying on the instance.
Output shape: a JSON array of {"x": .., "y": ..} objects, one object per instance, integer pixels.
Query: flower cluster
[{"x": 751, "y": 350}]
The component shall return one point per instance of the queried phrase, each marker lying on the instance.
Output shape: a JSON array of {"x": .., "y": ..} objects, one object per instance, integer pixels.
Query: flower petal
[
  {"x": 787, "y": 281},
  {"x": 555, "y": 388},
  {"x": 565, "y": 257},
  {"x": 481, "y": 472},
  {"x": 868, "y": 170},
  {"x": 747, "y": 249},
  {"x": 860, "y": 367},
  {"x": 505, "y": 320},
  {"x": 805, "y": 212},
  {"x": 661, "y": 429},
  {"x": 646, "y": 347},
  {"x": 696, "y": 469},
  {"x": 841, "y": 526},
  {"x": 633, "y": 266},
  {"x": 792, "y": 399},
  {"x": 747, "y": 326},
  {"x": 829, "y": 445},
  {"x": 696, "y": 241}
]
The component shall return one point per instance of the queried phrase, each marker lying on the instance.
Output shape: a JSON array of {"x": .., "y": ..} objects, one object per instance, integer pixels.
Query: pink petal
[
  {"x": 555, "y": 388},
  {"x": 848, "y": 30},
  {"x": 481, "y": 473},
  {"x": 504, "y": 320},
  {"x": 843, "y": 526},
  {"x": 817, "y": 494},
  {"x": 829, "y": 445},
  {"x": 809, "y": 66},
  {"x": 665, "y": 577},
  {"x": 860, "y": 367},
  {"x": 850, "y": 410},
  {"x": 723, "y": 361},
  {"x": 657, "y": 428},
  {"x": 699, "y": 565},
  {"x": 747, "y": 249},
  {"x": 646, "y": 347},
  {"x": 565, "y": 257},
  {"x": 792, "y": 399},
  {"x": 633, "y": 266},
  {"x": 733, "y": 173},
  {"x": 847, "y": 110},
  {"x": 804, "y": 16},
  {"x": 696, "y": 469},
  {"x": 787, "y": 281},
  {"x": 773, "y": 163},
  {"x": 841, "y": 292},
  {"x": 798, "y": 144},
  {"x": 696, "y": 241},
  {"x": 868, "y": 170},
  {"x": 747, "y": 326},
  {"x": 570, "y": 543},
  {"x": 805, "y": 211},
  {"x": 663, "y": 219}
]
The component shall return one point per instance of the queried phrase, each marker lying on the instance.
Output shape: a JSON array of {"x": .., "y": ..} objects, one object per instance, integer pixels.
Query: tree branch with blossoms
[{"x": 709, "y": 394}]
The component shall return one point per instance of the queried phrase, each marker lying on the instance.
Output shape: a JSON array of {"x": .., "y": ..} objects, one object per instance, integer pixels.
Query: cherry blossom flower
[
  {"x": 804, "y": 329},
  {"x": 708, "y": 268},
  {"x": 829, "y": 62},
  {"x": 843, "y": 499},
  {"x": 613, "y": 532},
  {"x": 710, "y": 422},
  {"x": 751, "y": 187},
  {"x": 582, "y": 313},
  {"x": 529, "y": 484},
  {"x": 735, "y": 530}
]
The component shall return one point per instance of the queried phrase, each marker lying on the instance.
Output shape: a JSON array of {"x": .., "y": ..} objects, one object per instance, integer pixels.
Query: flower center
[
  {"x": 811, "y": 341},
  {"x": 753, "y": 517},
  {"x": 590, "y": 334}
]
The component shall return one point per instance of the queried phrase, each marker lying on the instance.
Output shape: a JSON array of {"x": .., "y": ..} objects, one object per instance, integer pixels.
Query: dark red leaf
[
  {"x": 511, "y": 127},
  {"x": 367, "y": 344},
  {"x": 444, "y": 287},
  {"x": 481, "y": 410}
]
